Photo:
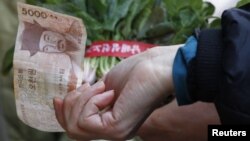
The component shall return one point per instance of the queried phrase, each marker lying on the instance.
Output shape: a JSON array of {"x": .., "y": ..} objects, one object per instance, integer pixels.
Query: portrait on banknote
[{"x": 41, "y": 39}]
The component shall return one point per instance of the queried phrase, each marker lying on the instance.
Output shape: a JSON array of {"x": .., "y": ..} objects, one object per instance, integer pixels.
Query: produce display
[{"x": 157, "y": 22}]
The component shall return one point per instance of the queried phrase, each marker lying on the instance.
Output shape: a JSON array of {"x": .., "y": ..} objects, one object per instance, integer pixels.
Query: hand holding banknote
[
  {"x": 116, "y": 109},
  {"x": 48, "y": 54}
]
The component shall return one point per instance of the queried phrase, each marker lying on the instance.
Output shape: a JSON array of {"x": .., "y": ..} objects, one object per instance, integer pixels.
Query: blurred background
[{"x": 160, "y": 22}]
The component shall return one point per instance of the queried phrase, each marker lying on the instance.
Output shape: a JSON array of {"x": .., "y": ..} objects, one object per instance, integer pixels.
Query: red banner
[{"x": 116, "y": 48}]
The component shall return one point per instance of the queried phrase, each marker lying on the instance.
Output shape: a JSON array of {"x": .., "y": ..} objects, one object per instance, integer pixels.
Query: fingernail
[{"x": 99, "y": 84}]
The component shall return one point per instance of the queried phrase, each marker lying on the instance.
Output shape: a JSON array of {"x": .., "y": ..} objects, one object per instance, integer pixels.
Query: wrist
[{"x": 162, "y": 63}]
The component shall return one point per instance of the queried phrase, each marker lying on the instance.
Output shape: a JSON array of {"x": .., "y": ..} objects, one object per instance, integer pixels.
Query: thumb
[
  {"x": 91, "y": 116},
  {"x": 98, "y": 103},
  {"x": 104, "y": 100}
]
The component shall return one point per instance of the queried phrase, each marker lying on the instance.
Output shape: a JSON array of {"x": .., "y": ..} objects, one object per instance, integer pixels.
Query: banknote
[{"x": 47, "y": 63}]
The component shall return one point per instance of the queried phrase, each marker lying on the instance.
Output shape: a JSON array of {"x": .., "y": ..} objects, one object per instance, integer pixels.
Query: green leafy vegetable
[
  {"x": 242, "y": 2},
  {"x": 161, "y": 22}
]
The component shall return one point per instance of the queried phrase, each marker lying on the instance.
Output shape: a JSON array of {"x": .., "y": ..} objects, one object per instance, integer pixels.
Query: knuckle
[
  {"x": 154, "y": 51},
  {"x": 144, "y": 67}
]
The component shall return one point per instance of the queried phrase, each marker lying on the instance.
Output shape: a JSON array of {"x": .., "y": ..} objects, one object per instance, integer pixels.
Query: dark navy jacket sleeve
[
  {"x": 233, "y": 102},
  {"x": 220, "y": 71}
]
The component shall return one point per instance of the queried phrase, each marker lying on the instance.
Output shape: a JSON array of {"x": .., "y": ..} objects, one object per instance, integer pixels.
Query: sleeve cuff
[{"x": 183, "y": 57}]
